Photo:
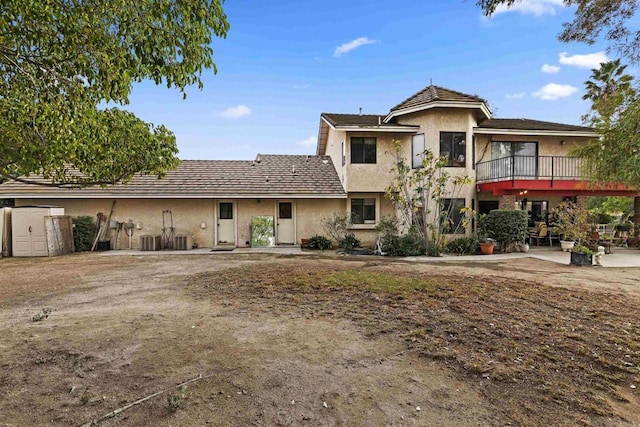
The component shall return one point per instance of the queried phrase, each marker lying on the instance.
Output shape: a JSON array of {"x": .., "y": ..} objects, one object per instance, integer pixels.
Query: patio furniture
[
  {"x": 607, "y": 236},
  {"x": 553, "y": 235},
  {"x": 540, "y": 233}
]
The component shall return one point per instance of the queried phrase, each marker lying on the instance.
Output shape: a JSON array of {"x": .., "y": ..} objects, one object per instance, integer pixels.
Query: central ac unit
[
  {"x": 149, "y": 243},
  {"x": 182, "y": 242}
]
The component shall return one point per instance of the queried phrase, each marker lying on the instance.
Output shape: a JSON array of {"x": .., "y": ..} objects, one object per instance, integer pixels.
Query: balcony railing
[{"x": 530, "y": 168}]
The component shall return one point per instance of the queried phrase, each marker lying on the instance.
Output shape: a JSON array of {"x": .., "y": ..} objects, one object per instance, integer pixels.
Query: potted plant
[
  {"x": 581, "y": 255},
  {"x": 571, "y": 223},
  {"x": 487, "y": 244}
]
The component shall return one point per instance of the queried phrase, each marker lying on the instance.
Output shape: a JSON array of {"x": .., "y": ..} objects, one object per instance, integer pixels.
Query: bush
[
  {"x": 507, "y": 226},
  {"x": 83, "y": 229},
  {"x": 409, "y": 244},
  {"x": 349, "y": 241},
  {"x": 319, "y": 242},
  {"x": 463, "y": 246}
]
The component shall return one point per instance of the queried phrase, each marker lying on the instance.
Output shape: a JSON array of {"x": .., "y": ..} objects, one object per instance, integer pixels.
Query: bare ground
[{"x": 522, "y": 342}]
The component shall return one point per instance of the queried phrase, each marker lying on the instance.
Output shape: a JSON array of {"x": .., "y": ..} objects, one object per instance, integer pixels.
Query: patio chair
[
  {"x": 607, "y": 236},
  {"x": 553, "y": 235},
  {"x": 539, "y": 234}
]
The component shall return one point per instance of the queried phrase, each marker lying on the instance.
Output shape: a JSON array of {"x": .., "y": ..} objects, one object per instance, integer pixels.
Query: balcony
[
  {"x": 514, "y": 168},
  {"x": 544, "y": 175}
]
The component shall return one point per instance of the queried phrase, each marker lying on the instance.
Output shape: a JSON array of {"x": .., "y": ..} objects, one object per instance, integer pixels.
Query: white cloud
[
  {"x": 236, "y": 112},
  {"x": 532, "y": 7},
  {"x": 518, "y": 95},
  {"x": 309, "y": 142},
  {"x": 554, "y": 91},
  {"x": 353, "y": 44},
  {"x": 589, "y": 60},
  {"x": 550, "y": 69}
]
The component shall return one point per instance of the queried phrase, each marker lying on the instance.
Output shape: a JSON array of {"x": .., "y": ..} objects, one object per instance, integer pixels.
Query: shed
[{"x": 40, "y": 231}]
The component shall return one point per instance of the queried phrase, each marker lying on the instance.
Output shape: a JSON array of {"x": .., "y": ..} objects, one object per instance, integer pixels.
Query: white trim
[
  {"x": 440, "y": 104},
  {"x": 492, "y": 131},
  {"x": 327, "y": 122},
  {"x": 168, "y": 196},
  {"x": 375, "y": 128}
]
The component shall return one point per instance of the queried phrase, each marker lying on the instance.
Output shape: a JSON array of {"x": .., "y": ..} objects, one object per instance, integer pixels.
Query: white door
[
  {"x": 29, "y": 232},
  {"x": 226, "y": 224},
  {"x": 285, "y": 224}
]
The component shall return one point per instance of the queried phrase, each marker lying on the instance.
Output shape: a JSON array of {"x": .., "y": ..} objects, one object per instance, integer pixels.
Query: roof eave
[
  {"x": 494, "y": 131},
  {"x": 27, "y": 195},
  {"x": 373, "y": 128},
  {"x": 440, "y": 104}
]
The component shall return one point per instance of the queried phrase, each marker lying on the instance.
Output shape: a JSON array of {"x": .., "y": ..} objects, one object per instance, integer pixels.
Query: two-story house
[{"x": 514, "y": 163}]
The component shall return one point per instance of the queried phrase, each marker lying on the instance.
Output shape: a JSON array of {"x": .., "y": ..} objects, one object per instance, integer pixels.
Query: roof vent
[
  {"x": 360, "y": 111},
  {"x": 258, "y": 159},
  {"x": 307, "y": 157},
  {"x": 379, "y": 120},
  {"x": 293, "y": 169},
  {"x": 267, "y": 180},
  {"x": 325, "y": 161}
]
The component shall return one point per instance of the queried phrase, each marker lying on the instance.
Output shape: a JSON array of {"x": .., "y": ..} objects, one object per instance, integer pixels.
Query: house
[{"x": 514, "y": 163}]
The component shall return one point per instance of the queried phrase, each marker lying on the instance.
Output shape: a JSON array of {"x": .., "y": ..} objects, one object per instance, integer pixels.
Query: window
[
  {"x": 284, "y": 210},
  {"x": 453, "y": 146},
  {"x": 226, "y": 210},
  {"x": 417, "y": 150},
  {"x": 537, "y": 210},
  {"x": 452, "y": 217},
  {"x": 363, "y": 211},
  {"x": 363, "y": 150}
]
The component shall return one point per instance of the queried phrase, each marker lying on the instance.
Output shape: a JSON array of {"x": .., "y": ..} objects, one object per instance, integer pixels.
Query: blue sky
[{"x": 285, "y": 62}]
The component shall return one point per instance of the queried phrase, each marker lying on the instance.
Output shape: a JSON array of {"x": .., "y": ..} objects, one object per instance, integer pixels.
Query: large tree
[
  {"x": 62, "y": 61},
  {"x": 609, "y": 89},
  {"x": 593, "y": 18}
]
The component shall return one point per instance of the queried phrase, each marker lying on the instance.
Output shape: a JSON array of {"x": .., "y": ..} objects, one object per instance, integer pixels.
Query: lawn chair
[
  {"x": 540, "y": 233},
  {"x": 607, "y": 236}
]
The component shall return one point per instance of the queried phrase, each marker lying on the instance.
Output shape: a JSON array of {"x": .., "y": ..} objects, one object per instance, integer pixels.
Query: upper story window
[
  {"x": 417, "y": 150},
  {"x": 453, "y": 146},
  {"x": 363, "y": 150}
]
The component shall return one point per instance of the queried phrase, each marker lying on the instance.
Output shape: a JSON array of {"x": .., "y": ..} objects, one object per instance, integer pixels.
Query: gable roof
[
  {"x": 437, "y": 96},
  {"x": 524, "y": 126},
  {"x": 269, "y": 176}
]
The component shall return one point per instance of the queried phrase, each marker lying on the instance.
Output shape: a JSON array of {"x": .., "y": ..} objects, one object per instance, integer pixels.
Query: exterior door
[
  {"x": 29, "y": 232},
  {"x": 285, "y": 224},
  {"x": 226, "y": 224}
]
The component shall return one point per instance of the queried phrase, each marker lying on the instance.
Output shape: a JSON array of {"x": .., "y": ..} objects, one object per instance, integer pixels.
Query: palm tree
[{"x": 608, "y": 88}]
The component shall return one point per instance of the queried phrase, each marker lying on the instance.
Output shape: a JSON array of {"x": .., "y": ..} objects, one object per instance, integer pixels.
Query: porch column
[
  {"x": 581, "y": 201},
  {"x": 507, "y": 201},
  {"x": 636, "y": 214}
]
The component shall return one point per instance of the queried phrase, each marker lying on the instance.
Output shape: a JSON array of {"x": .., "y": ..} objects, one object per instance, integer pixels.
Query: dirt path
[{"x": 124, "y": 327}]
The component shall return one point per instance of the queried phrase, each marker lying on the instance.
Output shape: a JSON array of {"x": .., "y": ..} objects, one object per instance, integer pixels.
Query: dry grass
[{"x": 539, "y": 354}]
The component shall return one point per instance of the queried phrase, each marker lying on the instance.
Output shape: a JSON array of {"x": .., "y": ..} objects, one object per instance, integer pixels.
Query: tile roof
[
  {"x": 433, "y": 93},
  {"x": 358, "y": 120},
  {"x": 268, "y": 175},
  {"x": 528, "y": 124}
]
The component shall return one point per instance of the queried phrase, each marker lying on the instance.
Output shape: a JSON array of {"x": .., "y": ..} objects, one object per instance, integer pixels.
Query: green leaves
[{"x": 60, "y": 59}]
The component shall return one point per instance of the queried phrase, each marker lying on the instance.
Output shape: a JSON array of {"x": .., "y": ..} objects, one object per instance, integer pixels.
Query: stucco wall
[
  {"x": 334, "y": 150},
  {"x": 368, "y": 177},
  {"x": 187, "y": 215}
]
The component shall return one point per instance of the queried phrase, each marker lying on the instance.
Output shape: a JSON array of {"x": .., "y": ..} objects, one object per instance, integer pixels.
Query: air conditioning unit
[
  {"x": 182, "y": 242},
  {"x": 149, "y": 243}
]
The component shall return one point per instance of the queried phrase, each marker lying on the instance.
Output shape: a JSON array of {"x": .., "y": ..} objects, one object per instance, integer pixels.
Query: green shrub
[
  {"x": 349, "y": 241},
  {"x": 83, "y": 228},
  {"x": 409, "y": 244},
  {"x": 319, "y": 242},
  {"x": 625, "y": 226},
  {"x": 507, "y": 226},
  {"x": 462, "y": 246}
]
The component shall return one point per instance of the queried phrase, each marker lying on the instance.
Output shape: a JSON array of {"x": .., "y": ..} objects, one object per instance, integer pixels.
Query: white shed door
[
  {"x": 286, "y": 233},
  {"x": 29, "y": 232}
]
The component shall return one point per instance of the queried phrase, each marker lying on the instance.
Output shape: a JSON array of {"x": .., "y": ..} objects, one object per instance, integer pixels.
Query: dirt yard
[{"x": 316, "y": 341}]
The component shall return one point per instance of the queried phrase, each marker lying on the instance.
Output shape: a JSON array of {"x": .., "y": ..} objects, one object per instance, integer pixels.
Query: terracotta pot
[{"x": 486, "y": 248}]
